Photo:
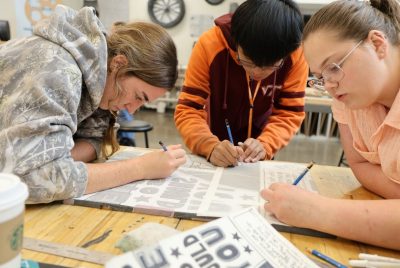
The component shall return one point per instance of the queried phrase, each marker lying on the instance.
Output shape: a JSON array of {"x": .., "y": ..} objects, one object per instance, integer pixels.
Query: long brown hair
[
  {"x": 152, "y": 57},
  {"x": 353, "y": 19}
]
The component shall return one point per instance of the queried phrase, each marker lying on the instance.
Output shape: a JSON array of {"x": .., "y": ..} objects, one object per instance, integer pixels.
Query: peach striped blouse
[{"x": 376, "y": 134}]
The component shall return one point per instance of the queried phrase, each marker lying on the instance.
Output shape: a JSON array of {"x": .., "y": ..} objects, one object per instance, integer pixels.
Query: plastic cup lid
[{"x": 12, "y": 190}]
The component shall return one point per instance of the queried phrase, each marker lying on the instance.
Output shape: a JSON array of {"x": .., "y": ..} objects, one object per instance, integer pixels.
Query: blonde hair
[
  {"x": 151, "y": 55},
  {"x": 353, "y": 19}
]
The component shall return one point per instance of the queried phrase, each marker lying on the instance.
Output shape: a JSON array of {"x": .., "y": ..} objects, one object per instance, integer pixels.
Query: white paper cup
[{"x": 13, "y": 194}]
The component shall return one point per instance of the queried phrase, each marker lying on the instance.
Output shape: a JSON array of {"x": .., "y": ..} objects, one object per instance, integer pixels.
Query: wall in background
[
  {"x": 8, "y": 11},
  {"x": 195, "y": 8},
  {"x": 138, "y": 12},
  {"x": 182, "y": 33}
]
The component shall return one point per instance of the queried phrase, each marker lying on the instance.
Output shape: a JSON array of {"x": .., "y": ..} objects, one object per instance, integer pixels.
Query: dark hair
[
  {"x": 355, "y": 19},
  {"x": 267, "y": 30}
]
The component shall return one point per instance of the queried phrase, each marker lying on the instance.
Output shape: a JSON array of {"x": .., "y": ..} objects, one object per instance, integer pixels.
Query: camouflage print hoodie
[{"x": 51, "y": 85}]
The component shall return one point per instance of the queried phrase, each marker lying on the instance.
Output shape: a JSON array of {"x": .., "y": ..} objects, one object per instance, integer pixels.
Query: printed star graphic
[
  {"x": 247, "y": 249},
  {"x": 236, "y": 236},
  {"x": 175, "y": 252}
]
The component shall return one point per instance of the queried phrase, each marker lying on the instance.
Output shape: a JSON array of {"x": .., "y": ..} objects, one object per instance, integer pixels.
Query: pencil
[
  {"x": 301, "y": 176},
  {"x": 326, "y": 258},
  {"x": 163, "y": 146},
  {"x": 374, "y": 257},
  {"x": 374, "y": 264},
  {"x": 228, "y": 128}
]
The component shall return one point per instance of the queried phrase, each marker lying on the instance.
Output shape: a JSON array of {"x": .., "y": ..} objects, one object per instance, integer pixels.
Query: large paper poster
[
  {"x": 29, "y": 12},
  {"x": 199, "y": 190}
]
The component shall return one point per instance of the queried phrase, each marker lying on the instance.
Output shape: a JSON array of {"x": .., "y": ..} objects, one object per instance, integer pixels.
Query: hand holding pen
[
  {"x": 250, "y": 151},
  {"x": 224, "y": 154},
  {"x": 290, "y": 203},
  {"x": 161, "y": 163}
]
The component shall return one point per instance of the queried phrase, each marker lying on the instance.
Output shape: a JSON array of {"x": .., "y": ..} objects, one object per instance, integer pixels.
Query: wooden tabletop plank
[{"x": 75, "y": 226}]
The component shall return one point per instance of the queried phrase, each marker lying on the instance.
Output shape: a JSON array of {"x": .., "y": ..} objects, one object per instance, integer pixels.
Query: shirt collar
[{"x": 393, "y": 117}]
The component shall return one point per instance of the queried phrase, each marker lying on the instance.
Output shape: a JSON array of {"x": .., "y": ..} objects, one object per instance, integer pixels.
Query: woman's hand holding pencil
[
  {"x": 289, "y": 203},
  {"x": 161, "y": 164},
  {"x": 292, "y": 205}
]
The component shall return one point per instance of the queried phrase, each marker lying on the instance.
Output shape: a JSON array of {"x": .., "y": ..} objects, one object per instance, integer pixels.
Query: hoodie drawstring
[{"x": 225, "y": 106}]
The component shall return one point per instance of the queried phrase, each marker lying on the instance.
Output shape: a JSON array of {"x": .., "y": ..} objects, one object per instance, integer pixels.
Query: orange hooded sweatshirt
[{"x": 216, "y": 88}]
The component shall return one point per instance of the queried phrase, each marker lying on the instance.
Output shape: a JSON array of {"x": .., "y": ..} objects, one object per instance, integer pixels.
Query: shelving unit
[
  {"x": 169, "y": 100},
  {"x": 319, "y": 120}
]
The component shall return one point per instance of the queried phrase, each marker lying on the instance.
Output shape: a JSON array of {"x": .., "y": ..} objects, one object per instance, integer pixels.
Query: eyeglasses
[
  {"x": 332, "y": 72},
  {"x": 251, "y": 65}
]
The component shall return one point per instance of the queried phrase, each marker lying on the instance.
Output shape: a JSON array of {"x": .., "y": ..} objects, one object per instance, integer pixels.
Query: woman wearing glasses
[
  {"x": 353, "y": 49},
  {"x": 247, "y": 72}
]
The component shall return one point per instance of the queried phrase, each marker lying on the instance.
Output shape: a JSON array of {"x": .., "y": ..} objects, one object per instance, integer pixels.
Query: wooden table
[{"x": 75, "y": 226}]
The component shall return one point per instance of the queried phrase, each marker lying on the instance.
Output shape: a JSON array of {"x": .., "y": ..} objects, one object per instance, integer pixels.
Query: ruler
[{"x": 70, "y": 252}]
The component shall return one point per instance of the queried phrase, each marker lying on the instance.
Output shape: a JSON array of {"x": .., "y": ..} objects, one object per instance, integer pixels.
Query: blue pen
[
  {"x": 301, "y": 176},
  {"x": 163, "y": 146},
  {"x": 327, "y": 259},
  {"x": 228, "y": 128}
]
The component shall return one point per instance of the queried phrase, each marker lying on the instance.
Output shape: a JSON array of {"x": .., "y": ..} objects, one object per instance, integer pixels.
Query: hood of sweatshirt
[
  {"x": 83, "y": 36},
  {"x": 224, "y": 23}
]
